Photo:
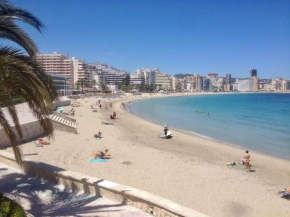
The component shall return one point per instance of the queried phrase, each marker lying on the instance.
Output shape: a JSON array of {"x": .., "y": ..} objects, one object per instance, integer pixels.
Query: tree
[
  {"x": 21, "y": 75},
  {"x": 81, "y": 83},
  {"x": 104, "y": 88}
]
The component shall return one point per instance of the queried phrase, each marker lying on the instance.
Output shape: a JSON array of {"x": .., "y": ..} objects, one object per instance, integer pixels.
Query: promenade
[{"x": 42, "y": 198}]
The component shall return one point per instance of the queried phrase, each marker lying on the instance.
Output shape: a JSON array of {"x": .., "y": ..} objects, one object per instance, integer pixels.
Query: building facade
[
  {"x": 56, "y": 63},
  {"x": 61, "y": 83},
  {"x": 245, "y": 85},
  {"x": 163, "y": 81},
  {"x": 253, "y": 73},
  {"x": 228, "y": 78}
]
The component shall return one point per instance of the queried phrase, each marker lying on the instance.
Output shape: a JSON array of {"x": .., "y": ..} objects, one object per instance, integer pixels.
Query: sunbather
[
  {"x": 41, "y": 141},
  {"x": 99, "y": 135},
  {"x": 286, "y": 192},
  {"x": 102, "y": 155}
]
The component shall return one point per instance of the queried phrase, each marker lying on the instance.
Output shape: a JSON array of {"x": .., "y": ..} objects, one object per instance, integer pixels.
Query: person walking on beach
[
  {"x": 247, "y": 160},
  {"x": 165, "y": 129}
]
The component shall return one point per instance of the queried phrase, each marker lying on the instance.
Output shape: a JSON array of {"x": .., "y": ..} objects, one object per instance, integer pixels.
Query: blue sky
[{"x": 176, "y": 36}]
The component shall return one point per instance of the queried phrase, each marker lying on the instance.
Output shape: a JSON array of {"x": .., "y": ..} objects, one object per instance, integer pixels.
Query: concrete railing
[{"x": 147, "y": 202}]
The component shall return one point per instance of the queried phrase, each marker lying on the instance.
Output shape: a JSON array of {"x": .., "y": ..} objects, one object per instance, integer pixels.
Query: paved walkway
[{"x": 41, "y": 198}]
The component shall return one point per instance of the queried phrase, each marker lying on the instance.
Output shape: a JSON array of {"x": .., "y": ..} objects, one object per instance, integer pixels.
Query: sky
[{"x": 176, "y": 36}]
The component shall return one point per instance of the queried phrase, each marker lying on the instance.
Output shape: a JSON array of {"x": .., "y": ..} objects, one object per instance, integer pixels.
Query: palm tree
[
  {"x": 21, "y": 75},
  {"x": 81, "y": 83}
]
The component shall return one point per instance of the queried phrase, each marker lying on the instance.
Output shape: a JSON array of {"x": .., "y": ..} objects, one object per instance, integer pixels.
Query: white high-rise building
[
  {"x": 246, "y": 85},
  {"x": 148, "y": 74},
  {"x": 81, "y": 70}
]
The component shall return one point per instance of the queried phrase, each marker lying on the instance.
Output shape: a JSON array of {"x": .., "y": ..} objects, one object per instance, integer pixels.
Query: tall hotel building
[
  {"x": 56, "y": 63},
  {"x": 253, "y": 73},
  {"x": 228, "y": 78}
]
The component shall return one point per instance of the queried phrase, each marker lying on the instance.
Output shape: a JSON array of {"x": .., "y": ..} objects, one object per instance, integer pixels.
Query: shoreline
[
  {"x": 188, "y": 170},
  {"x": 181, "y": 131},
  {"x": 198, "y": 135}
]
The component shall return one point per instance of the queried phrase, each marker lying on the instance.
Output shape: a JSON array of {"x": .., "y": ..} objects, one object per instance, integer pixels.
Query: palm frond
[
  {"x": 21, "y": 76},
  {"x": 9, "y": 11},
  {"x": 12, "y": 137},
  {"x": 9, "y": 30}
]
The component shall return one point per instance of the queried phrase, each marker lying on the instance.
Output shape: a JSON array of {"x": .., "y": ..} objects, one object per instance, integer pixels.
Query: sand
[{"x": 186, "y": 169}]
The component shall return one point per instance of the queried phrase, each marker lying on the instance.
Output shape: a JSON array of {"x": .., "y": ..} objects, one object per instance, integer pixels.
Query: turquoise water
[{"x": 259, "y": 122}]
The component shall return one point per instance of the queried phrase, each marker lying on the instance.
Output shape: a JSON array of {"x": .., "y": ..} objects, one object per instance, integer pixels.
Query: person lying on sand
[
  {"x": 41, "y": 141},
  {"x": 99, "y": 135},
  {"x": 102, "y": 154}
]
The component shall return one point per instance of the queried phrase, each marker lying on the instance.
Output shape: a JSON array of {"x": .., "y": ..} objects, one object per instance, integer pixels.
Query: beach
[{"x": 189, "y": 170}]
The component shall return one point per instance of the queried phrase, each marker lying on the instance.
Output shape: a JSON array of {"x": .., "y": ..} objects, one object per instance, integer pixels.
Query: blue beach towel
[{"x": 98, "y": 160}]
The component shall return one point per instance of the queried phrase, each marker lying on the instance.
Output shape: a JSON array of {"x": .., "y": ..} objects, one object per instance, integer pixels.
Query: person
[
  {"x": 41, "y": 141},
  {"x": 114, "y": 115},
  {"x": 247, "y": 160},
  {"x": 98, "y": 135},
  {"x": 102, "y": 154},
  {"x": 165, "y": 129}
]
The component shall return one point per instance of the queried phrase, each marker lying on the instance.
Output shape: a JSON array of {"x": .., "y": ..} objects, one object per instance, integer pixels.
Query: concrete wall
[
  {"x": 152, "y": 204},
  {"x": 30, "y": 130},
  {"x": 61, "y": 103}
]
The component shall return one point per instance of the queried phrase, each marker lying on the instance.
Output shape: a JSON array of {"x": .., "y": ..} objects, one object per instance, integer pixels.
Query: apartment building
[
  {"x": 137, "y": 80},
  {"x": 81, "y": 70},
  {"x": 246, "y": 84},
  {"x": 111, "y": 79},
  {"x": 148, "y": 74},
  {"x": 256, "y": 83},
  {"x": 163, "y": 81},
  {"x": 56, "y": 63},
  {"x": 285, "y": 85}
]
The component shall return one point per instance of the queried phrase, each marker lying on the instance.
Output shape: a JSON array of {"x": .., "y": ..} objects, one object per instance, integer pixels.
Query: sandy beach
[{"x": 186, "y": 169}]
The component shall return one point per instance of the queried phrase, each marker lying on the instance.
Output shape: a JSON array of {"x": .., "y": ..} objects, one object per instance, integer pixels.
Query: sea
[{"x": 253, "y": 121}]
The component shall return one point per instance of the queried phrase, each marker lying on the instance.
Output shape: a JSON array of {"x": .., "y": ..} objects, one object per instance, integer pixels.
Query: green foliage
[
  {"x": 21, "y": 75},
  {"x": 19, "y": 100},
  {"x": 81, "y": 83},
  {"x": 9, "y": 208}
]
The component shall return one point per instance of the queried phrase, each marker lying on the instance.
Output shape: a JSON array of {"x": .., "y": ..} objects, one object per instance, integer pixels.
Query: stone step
[
  {"x": 64, "y": 121},
  {"x": 57, "y": 119}
]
